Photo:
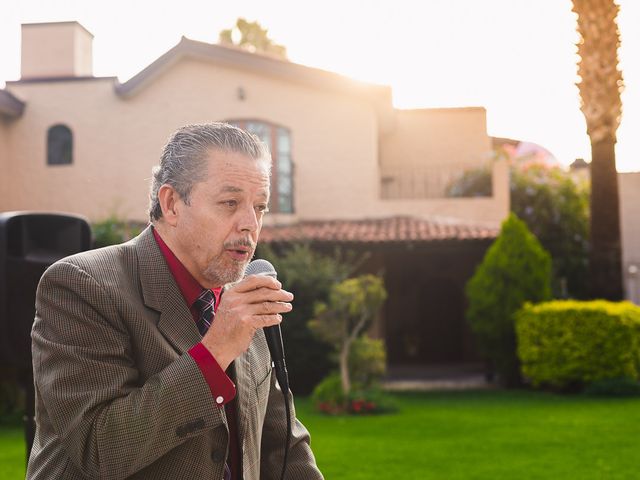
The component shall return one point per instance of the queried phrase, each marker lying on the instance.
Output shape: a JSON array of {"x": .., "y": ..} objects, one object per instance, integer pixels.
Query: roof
[
  {"x": 378, "y": 230},
  {"x": 10, "y": 106},
  {"x": 68, "y": 78},
  {"x": 378, "y": 95}
]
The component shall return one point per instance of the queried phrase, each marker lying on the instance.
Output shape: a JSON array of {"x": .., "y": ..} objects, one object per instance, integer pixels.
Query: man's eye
[
  {"x": 230, "y": 203},
  {"x": 262, "y": 208}
]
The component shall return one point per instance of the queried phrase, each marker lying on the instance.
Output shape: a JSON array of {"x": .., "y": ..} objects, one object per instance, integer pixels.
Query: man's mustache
[{"x": 245, "y": 242}]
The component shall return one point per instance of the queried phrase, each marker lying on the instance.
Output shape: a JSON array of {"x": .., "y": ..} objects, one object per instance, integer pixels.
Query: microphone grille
[{"x": 260, "y": 267}]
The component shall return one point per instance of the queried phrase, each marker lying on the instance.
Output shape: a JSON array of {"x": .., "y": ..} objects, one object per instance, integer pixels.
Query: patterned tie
[{"x": 205, "y": 304}]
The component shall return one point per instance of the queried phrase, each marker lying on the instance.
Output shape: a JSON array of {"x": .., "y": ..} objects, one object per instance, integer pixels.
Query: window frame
[{"x": 276, "y": 158}]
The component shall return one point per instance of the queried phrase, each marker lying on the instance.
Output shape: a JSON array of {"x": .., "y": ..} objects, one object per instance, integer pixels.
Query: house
[
  {"x": 629, "y": 185},
  {"x": 348, "y": 168}
]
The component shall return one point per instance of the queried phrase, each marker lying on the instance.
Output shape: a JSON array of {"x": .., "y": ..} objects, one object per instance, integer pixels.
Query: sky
[{"x": 516, "y": 58}]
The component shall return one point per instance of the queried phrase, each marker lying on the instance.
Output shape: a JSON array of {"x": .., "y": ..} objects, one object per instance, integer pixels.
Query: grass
[
  {"x": 482, "y": 435},
  {"x": 12, "y": 451},
  {"x": 461, "y": 435}
]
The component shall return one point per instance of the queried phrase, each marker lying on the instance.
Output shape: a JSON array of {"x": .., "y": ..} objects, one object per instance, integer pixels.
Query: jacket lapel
[{"x": 161, "y": 293}]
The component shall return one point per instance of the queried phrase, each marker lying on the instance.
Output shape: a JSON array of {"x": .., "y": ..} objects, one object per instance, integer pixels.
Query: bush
[
  {"x": 328, "y": 398},
  {"x": 371, "y": 400},
  {"x": 515, "y": 269},
  {"x": 367, "y": 361},
  {"x": 614, "y": 387},
  {"x": 113, "y": 230},
  {"x": 570, "y": 344},
  {"x": 12, "y": 400}
]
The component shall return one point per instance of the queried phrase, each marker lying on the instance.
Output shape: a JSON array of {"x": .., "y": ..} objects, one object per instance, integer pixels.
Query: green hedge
[{"x": 568, "y": 344}]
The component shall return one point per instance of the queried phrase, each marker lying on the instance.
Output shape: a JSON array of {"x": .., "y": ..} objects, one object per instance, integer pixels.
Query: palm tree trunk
[{"x": 605, "y": 262}]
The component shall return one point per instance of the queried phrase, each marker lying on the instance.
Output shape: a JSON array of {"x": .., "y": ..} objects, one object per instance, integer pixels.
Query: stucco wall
[
  {"x": 117, "y": 141},
  {"x": 443, "y": 142},
  {"x": 437, "y": 136},
  {"x": 88, "y": 186},
  {"x": 334, "y": 144},
  {"x": 629, "y": 185}
]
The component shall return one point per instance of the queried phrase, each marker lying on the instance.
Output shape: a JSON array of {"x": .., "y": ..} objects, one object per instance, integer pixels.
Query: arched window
[
  {"x": 59, "y": 145},
  {"x": 278, "y": 139}
]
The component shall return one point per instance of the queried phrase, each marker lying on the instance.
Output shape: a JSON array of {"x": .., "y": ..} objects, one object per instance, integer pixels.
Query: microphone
[{"x": 273, "y": 333}]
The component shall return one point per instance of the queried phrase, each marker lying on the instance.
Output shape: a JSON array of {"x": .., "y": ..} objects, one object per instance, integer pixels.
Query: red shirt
[{"x": 222, "y": 388}]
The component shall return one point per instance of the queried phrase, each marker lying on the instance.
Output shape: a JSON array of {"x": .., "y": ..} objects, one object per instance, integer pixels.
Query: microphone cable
[{"x": 287, "y": 408}]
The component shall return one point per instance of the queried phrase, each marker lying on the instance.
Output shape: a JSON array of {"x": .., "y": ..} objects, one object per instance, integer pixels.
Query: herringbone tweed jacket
[{"x": 117, "y": 394}]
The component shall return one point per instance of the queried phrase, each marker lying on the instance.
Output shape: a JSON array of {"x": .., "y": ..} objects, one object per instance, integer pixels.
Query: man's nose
[{"x": 248, "y": 221}]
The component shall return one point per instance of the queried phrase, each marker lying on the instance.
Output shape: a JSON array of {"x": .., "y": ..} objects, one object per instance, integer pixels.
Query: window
[
  {"x": 278, "y": 140},
  {"x": 59, "y": 145}
]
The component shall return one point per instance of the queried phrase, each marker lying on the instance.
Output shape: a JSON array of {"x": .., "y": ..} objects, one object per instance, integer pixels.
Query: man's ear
[{"x": 169, "y": 203}]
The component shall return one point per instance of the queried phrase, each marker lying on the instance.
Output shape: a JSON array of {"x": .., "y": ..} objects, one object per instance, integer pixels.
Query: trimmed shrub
[
  {"x": 515, "y": 269},
  {"x": 570, "y": 344}
]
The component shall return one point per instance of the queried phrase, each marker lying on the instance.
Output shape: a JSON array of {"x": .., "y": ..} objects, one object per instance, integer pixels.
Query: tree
[
  {"x": 252, "y": 37},
  {"x": 352, "y": 305},
  {"x": 600, "y": 86},
  {"x": 309, "y": 276},
  {"x": 515, "y": 269},
  {"x": 555, "y": 207}
]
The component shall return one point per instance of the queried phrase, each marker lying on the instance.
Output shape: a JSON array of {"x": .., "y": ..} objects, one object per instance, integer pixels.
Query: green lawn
[
  {"x": 12, "y": 452},
  {"x": 461, "y": 435},
  {"x": 483, "y": 435}
]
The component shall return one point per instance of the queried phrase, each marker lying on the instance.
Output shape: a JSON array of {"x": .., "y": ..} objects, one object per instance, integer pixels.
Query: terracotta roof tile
[{"x": 379, "y": 230}]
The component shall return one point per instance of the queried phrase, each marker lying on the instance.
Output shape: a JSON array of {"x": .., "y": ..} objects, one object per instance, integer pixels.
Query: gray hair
[{"x": 183, "y": 162}]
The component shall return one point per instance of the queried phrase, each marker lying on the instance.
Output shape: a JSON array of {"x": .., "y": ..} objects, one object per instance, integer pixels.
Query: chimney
[{"x": 56, "y": 50}]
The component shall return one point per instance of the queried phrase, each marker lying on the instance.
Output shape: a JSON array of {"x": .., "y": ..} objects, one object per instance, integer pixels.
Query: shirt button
[{"x": 219, "y": 400}]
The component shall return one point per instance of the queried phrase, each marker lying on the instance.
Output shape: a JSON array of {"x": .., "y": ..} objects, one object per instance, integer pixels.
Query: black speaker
[{"x": 29, "y": 243}]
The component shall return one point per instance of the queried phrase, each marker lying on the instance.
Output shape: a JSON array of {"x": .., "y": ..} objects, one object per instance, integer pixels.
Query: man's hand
[{"x": 255, "y": 302}]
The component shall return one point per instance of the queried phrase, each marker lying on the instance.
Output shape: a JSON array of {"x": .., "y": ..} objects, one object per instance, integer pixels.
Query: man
[{"x": 143, "y": 367}]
